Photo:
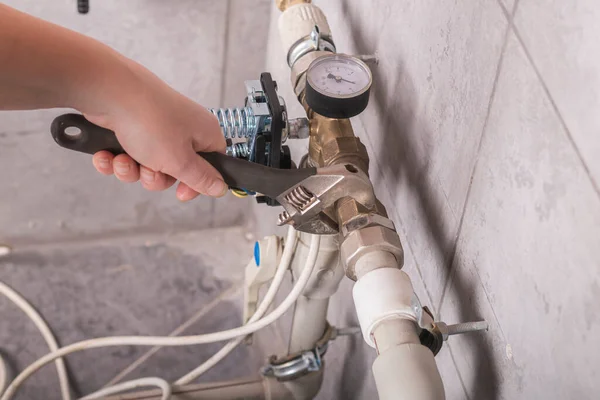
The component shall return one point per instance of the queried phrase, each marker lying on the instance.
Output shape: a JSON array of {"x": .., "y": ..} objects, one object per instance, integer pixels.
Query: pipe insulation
[
  {"x": 381, "y": 294},
  {"x": 408, "y": 372},
  {"x": 298, "y": 21}
]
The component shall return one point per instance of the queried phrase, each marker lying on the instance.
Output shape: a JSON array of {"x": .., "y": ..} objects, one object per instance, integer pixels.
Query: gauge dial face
[{"x": 339, "y": 76}]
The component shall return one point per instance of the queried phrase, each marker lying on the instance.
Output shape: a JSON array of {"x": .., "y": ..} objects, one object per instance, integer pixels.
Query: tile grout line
[
  {"x": 487, "y": 297},
  {"x": 222, "y": 89},
  {"x": 452, "y": 255},
  {"x": 453, "y": 267},
  {"x": 556, "y": 110},
  {"x": 417, "y": 266},
  {"x": 553, "y": 104},
  {"x": 232, "y": 290},
  {"x": 402, "y": 225},
  {"x": 514, "y": 11},
  {"x": 225, "y": 53},
  {"x": 462, "y": 383},
  {"x": 23, "y": 244}
]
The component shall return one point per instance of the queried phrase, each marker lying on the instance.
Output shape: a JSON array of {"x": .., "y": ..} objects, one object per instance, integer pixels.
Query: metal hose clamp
[
  {"x": 301, "y": 363},
  {"x": 316, "y": 41}
]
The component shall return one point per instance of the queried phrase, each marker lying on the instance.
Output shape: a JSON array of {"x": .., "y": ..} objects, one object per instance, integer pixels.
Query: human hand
[
  {"x": 162, "y": 130},
  {"x": 47, "y": 66}
]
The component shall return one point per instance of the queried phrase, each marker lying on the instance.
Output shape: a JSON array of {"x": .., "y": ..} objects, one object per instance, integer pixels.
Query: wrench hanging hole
[
  {"x": 351, "y": 168},
  {"x": 72, "y": 132}
]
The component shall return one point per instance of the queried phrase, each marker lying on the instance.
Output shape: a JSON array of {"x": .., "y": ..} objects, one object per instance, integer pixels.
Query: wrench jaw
[{"x": 305, "y": 202}]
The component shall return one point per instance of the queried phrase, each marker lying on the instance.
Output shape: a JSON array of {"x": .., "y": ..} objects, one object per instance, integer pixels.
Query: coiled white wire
[
  {"x": 163, "y": 385},
  {"x": 284, "y": 263},
  {"x": 39, "y": 322},
  {"x": 3, "y": 374},
  {"x": 175, "y": 341}
]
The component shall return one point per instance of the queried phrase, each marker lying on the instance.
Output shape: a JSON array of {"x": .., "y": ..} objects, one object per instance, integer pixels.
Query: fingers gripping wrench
[{"x": 304, "y": 193}]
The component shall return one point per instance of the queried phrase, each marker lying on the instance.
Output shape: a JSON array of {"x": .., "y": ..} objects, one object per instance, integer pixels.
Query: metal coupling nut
[
  {"x": 367, "y": 240},
  {"x": 362, "y": 221}
]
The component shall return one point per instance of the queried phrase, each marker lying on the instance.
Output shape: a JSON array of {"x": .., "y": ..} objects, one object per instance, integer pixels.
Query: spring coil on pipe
[
  {"x": 236, "y": 122},
  {"x": 239, "y": 150}
]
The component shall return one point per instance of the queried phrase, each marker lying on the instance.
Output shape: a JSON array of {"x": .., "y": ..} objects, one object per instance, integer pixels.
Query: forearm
[{"x": 43, "y": 65}]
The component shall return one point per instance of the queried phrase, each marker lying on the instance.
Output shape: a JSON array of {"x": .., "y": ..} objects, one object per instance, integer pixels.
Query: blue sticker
[{"x": 257, "y": 254}]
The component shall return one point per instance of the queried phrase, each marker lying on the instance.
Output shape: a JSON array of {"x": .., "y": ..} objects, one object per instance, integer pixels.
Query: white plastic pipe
[
  {"x": 308, "y": 323},
  {"x": 404, "y": 369},
  {"x": 382, "y": 294},
  {"x": 298, "y": 21},
  {"x": 174, "y": 341},
  {"x": 408, "y": 372},
  {"x": 248, "y": 389},
  {"x": 310, "y": 314}
]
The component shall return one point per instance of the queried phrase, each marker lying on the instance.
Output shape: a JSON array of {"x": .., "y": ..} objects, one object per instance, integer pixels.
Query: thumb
[
  {"x": 199, "y": 175},
  {"x": 211, "y": 137}
]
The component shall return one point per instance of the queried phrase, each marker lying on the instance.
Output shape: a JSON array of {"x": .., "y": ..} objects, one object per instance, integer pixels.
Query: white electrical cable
[
  {"x": 284, "y": 264},
  {"x": 163, "y": 385},
  {"x": 233, "y": 289},
  {"x": 3, "y": 374},
  {"x": 175, "y": 341},
  {"x": 39, "y": 322}
]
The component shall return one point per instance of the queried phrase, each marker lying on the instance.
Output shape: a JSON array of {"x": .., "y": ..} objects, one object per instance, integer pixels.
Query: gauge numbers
[{"x": 340, "y": 76}]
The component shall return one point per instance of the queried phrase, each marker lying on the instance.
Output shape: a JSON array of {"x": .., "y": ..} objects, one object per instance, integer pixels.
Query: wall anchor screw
[{"x": 458, "y": 329}]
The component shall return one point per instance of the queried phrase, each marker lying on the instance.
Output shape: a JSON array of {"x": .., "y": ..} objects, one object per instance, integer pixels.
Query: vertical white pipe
[
  {"x": 310, "y": 314},
  {"x": 404, "y": 369},
  {"x": 408, "y": 372},
  {"x": 308, "y": 324}
]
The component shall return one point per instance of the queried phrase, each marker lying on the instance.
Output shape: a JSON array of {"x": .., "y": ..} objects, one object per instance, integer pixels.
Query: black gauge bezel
[{"x": 337, "y": 106}]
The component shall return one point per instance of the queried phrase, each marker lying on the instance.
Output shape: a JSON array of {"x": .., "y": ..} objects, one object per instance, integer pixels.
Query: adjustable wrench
[{"x": 304, "y": 193}]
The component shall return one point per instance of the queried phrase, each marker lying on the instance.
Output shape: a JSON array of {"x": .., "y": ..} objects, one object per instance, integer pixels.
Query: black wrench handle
[{"x": 75, "y": 132}]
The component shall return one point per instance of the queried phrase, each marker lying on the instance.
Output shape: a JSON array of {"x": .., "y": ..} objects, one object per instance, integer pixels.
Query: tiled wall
[
  {"x": 484, "y": 140},
  {"x": 205, "y": 49}
]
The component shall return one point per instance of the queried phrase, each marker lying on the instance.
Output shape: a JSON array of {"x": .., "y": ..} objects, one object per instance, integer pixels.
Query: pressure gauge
[{"x": 338, "y": 86}]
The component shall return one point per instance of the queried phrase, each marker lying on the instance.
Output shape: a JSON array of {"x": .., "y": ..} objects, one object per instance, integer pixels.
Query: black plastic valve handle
[{"x": 74, "y": 132}]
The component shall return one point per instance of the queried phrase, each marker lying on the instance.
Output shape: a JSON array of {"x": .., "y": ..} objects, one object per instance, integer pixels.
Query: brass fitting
[
  {"x": 351, "y": 215},
  {"x": 347, "y": 209},
  {"x": 363, "y": 241},
  {"x": 285, "y": 4},
  {"x": 360, "y": 220},
  {"x": 332, "y": 141}
]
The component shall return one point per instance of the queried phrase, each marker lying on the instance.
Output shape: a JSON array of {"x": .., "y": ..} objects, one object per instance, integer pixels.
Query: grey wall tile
[
  {"x": 509, "y": 5},
  {"x": 248, "y": 27},
  {"x": 53, "y": 194},
  {"x": 231, "y": 211},
  {"x": 562, "y": 38},
  {"x": 146, "y": 285},
  {"x": 181, "y": 42},
  {"x": 349, "y": 361},
  {"x": 450, "y": 377},
  {"x": 422, "y": 130},
  {"x": 50, "y": 193},
  {"x": 427, "y": 111},
  {"x": 433, "y": 68},
  {"x": 528, "y": 254}
]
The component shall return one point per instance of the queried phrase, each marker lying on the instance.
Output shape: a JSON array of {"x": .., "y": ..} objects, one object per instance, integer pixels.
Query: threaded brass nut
[{"x": 284, "y": 4}]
